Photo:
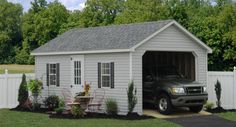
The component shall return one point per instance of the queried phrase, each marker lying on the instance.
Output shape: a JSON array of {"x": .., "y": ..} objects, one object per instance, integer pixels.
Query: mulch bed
[
  {"x": 220, "y": 110},
  {"x": 40, "y": 110},
  {"x": 133, "y": 116}
]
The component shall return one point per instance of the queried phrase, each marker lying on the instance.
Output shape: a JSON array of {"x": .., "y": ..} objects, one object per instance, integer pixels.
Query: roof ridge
[{"x": 118, "y": 25}]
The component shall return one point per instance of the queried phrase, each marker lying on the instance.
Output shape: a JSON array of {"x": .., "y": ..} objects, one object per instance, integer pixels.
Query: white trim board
[{"x": 81, "y": 52}]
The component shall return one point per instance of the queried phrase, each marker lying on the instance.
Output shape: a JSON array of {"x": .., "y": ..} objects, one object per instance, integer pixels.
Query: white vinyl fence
[
  {"x": 9, "y": 86},
  {"x": 228, "y": 86}
]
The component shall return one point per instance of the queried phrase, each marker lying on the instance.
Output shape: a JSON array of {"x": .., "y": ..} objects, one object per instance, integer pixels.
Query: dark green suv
[{"x": 167, "y": 89}]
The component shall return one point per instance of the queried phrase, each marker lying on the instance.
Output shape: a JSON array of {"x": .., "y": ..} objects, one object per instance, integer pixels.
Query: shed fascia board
[
  {"x": 81, "y": 52},
  {"x": 209, "y": 50}
]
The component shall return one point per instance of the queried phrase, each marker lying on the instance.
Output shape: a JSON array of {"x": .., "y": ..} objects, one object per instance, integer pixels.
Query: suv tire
[
  {"x": 164, "y": 104},
  {"x": 196, "y": 109}
]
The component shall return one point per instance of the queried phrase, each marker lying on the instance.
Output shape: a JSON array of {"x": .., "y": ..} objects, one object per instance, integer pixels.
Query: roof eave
[{"x": 80, "y": 52}]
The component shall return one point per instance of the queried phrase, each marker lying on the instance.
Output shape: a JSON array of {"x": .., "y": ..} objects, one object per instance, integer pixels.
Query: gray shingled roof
[{"x": 102, "y": 38}]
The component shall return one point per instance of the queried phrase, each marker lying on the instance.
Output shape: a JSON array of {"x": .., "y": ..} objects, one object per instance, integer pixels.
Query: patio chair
[
  {"x": 68, "y": 98},
  {"x": 98, "y": 98}
]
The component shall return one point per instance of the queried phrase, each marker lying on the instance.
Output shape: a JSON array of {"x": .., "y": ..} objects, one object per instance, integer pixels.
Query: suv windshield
[{"x": 167, "y": 71}]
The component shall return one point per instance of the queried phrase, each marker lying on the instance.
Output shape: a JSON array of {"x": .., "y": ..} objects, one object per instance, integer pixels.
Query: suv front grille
[{"x": 194, "y": 90}]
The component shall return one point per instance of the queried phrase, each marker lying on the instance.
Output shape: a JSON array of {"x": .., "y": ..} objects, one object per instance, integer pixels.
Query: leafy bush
[
  {"x": 77, "y": 111},
  {"x": 132, "y": 99},
  {"x": 35, "y": 86},
  {"x": 61, "y": 107},
  {"x": 218, "y": 93},
  {"x": 209, "y": 105},
  {"x": 59, "y": 110},
  {"x": 111, "y": 107},
  {"x": 52, "y": 102},
  {"x": 23, "y": 91}
]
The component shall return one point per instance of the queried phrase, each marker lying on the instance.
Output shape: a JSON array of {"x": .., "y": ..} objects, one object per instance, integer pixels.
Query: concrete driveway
[{"x": 178, "y": 113}]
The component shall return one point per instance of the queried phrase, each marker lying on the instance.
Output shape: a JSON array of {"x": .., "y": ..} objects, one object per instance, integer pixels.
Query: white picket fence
[
  {"x": 228, "y": 86},
  {"x": 9, "y": 86}
]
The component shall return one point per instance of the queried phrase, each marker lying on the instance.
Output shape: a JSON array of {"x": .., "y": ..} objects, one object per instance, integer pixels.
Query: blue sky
[{"x": 70, "y": 4}]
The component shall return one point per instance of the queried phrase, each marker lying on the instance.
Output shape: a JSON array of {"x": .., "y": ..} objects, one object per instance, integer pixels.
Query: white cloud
[
  {"x": 69, "y": 4},
  {"x": 73, "y": 4}
]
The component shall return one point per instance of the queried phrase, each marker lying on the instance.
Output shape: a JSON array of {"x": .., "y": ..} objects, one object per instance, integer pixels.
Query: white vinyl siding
[
  {"x": 121, "y": 76},
  {"x": 65, "y": 73}
]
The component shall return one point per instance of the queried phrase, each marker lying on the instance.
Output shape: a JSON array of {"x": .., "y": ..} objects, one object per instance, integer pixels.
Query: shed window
[
  {"x": 77, "y": 72},
  {"x": 106, "y": 74},
  {"x": 53, "y": 74}
]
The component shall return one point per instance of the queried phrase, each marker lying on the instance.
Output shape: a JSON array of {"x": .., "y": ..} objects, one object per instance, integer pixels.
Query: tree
[
  {"x": 218, "y": 93},
  {"x": 10, "y": 30},
  {"x": 100, "y": 12},
  {"x": 23, "y": 91},
  {"x": 40, "y": 26},
  {"x": 132, "y": 99},
  {"x": 142, "y": 10},
  {"x": 72, "y": 22}
]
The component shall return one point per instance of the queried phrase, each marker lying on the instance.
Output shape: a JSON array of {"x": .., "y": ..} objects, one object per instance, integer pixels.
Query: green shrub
[
  {"x": 61, "y": 107},
  {"x": 23, "y": 91},
  {"x": 209, "y": 105},
  {"x": 132, "y": 99},
  {"x": 77, "y": 111},
  {"x": 52, "y": 102},
  {"x": 111, "y": 107},
  {"x": 35, "y": 86},
  {"x": 218, "y": 93},
  {"x": 59, "y": 110}
]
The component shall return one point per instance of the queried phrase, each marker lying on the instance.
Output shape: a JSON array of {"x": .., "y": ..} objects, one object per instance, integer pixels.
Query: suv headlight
[
  {"x": 204, "y": 89},
  {"x": 177, "y": 90}
]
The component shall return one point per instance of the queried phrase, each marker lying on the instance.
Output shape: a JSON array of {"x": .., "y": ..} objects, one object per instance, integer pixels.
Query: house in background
[{"x": 110, "y": 57}]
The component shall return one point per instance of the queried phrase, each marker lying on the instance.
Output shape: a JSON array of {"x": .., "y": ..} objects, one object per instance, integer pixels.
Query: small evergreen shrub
[
  {"x": 52, "y": 102},
  {"x": 23, "y": 91},
  {"x": 111, "y": 107},
  {"x": 218, "y": 93},
  {"x": 132, "y": 99},
  {"x": 77, "y": 111}
]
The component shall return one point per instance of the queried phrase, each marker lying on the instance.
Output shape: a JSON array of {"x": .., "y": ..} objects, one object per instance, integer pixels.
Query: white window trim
[
  {"x": 106, "y": 75},
  {"x": 78, "y": 76},
  {"x": 49, "y": 74},
  {"x": 81, "y": 59}
]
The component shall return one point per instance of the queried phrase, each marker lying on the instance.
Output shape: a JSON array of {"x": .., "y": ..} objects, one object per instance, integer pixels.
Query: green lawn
[
  {"x": 23, "y": 119},
  {"x": 14, "y": 68},
  {"x": 228, "y": 115}
]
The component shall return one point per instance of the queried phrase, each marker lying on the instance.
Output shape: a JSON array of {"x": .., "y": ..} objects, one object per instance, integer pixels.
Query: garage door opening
[{"x": 154, "y": 61}]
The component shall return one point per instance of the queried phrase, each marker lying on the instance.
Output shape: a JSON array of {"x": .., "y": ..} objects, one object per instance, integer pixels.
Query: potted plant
[
  {"x": 35, "y": 87},
  {"x": 86, "y": 89}
]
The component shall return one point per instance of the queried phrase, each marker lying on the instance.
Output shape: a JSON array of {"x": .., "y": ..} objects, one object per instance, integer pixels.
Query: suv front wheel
[{"x": 164, "y": 104}]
